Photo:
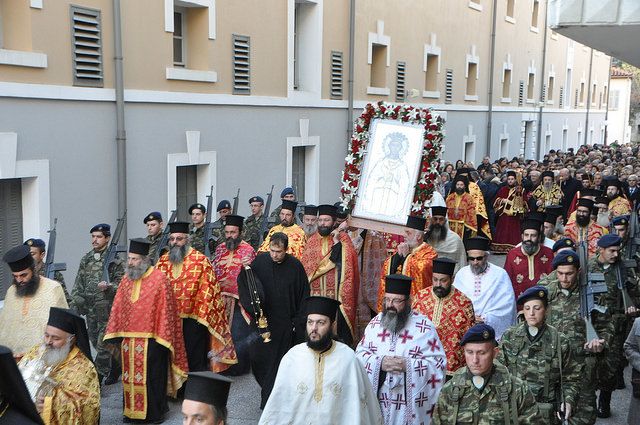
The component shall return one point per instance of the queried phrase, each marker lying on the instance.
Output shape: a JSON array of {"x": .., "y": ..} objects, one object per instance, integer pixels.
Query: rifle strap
[{"x": 559, "y": 353}]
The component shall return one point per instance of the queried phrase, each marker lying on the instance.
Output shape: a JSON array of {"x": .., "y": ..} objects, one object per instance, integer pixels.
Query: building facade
[{"x": 246, "y": 94}]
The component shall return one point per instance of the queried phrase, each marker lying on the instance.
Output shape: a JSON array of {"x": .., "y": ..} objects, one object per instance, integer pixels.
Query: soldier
[
  {"x": 542, "y": 357},
  {"x": 620, "y": 226},
  {"x": 93, "y": 297},
  {"x": 484, "y": 391},
  {"x": 198, "y": 214},
  {"x": 286, "y": 194},
  {"x": 39, "y": 254},
  {"x": 610, "y": 365},
  {"x": 253, "y": 223},
  {"x": 155, "y": 227},
  {"x": 217, "y": 227},
  {"x": 563, "y": 313}
]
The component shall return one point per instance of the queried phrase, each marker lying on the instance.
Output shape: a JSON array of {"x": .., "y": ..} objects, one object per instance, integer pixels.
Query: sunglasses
[{"x": 480, "y": 258}]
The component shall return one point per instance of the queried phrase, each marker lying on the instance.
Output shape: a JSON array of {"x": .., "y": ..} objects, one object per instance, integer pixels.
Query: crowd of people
[{"x": 344, "y": 325}]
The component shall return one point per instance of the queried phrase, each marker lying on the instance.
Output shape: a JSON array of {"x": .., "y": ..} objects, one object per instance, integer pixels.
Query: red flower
[{"x": 430, "y": 136}]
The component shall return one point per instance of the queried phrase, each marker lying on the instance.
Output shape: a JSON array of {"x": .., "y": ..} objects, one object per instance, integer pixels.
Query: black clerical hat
[
  {"x": 326, "y": 209},
  {"x": 547, "y": 174},
  {"x": 70, "y": 322},
  {"x": 234, "y": 220},
  {"x": 417, "y": 223},
  {"x": 179, "y": 227},
  {"x": 530, "y": 224},
  {"x": 511, "y": 173},
  {"x": 13, "y": 389},
  {"x": 19, "y": 258},
  {"x": 289, "y": 205},
  {"x": 585, "y": 202},
  {"x": 322, "y": 305},
  {"x": 208, "y": 387},
  {"x": 139, "y": 246},
  {"x": 477, "y": 243},
  {"x": 439, "y": 211},
  {"x": 310, "y": 210},
  {"x": 444, "y": 266},
  {"x": 397, "y": 284}
]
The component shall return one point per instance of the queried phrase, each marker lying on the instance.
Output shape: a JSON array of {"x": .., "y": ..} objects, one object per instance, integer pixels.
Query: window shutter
[
  {"x": 400, "y": 81},
  {"x": 544, "y": 93},
  {"x": 561, "y": 99},
  {"x": 87, "y": 47},
  {"x": 521, "y": 93},
  {"x": 448, "y": 91},
  {"x": 336, "y": 75},
  {"x": 575, "y": 106},
  {"x": 241, "y": 64}
]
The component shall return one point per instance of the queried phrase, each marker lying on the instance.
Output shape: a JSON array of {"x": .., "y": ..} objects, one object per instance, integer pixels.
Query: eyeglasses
[
  {"x": 394, "y": 301},
  {"x": 480, "y": 258}
]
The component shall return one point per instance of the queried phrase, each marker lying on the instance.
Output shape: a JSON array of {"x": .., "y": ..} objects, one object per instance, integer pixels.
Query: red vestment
[
  {"x": 146, "y": 309},
  {"x": 327, "y": 280},
  {"x": 227, "y": 265},
  {"x": 510, "y": 208},
  {"x": 591, "y": 234},
  {"x": 461, "y": 212},
  {"x": 418, "y": 265},
  {"x": 452, "y": 316},
  {"x": 198, "y": 297},
  {"x": 526, "y": 270}
]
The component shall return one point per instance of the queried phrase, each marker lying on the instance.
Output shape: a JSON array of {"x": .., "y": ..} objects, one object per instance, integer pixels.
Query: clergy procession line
[{"x": 342, "y": 325}]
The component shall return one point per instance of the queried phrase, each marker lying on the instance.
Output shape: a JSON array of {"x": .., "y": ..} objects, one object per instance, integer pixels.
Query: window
[
  {"x": 305, "y": 57},
  {"x": 605, "y": 95},
  {"x": 11, "y": 221},
  {"x": 178, "y": 37},
  {"x": 504, "y": 147},
  {"x": 378, "y": 58},
  {"x": 400, "y": 81},
  {"x": 511, "y": 6},
  {"x": 614, "y": 100},
  {"x": 530, "y": 86},
  {"x": 448, "y": 94},
  {"x": 561, "y": 97},
  {"x": 550, "y": 88},
  {"x": 186, "y": 190},
  {"x": 534, "y": 15},
  {"x": 506, "y": 86},
  {"x": 298, "y": 155},
  {"x": 521, "y": 93},
  {"x": 594, "y": 89},
  {"x": 241, "y": 64},
  {"x": 431, "y": 76},
  {"x": 581, "y": 96},
  {"x": 378, "y": 77},
  {"x": 472, "y": 70},
  {"x": 87, "y": 47},
  {"x": 565, "y": 139},
  {"x": 336, "y": 75}
]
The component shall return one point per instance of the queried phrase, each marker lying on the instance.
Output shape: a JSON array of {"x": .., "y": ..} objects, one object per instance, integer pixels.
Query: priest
[
  {"x": 547, "y": 193},
  {"x": 27, "y": 302},
  {"x": 331, "y": 264},
  {"x": 446, "y": 243},
  {"x": 321, "y": 381},
  {"x": 510, "y": 206},
  {"x": 413, "y": 258},
  {"x": 144, "y": 322},
  {"x": 584, "y": 228},
  {"x": 482, "y": 217},
  {"x": 403, "y": 357},
  {"x": 15, "y": 401},
  {"x": 71, "y": 392},
  {"x": 207, "y": 337},
  {"x": 487, "y": 286},
  {"x": 450, "y": 310},
  {"x": 282, "y": 286},
  {"x": 205, "y": 399},
  {"x": 288, "y": 226},
  {"x": 618, "y": 203},
  {"x": 461, "y": 209}
]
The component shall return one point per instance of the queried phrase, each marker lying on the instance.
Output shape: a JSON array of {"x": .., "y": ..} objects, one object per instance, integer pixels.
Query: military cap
[
  {"x": 18, "y": 258},
  {"x": 563, "y": 243},
  {"x": 234, "y": 220},
  {"x": 585, "y": 202},
  {"x": 209, "y": 388},
  {"x": 621, "y": 220},
  {"x": 477, "y": 243},
  {"x": 566, "y": 258},
  {"x": 511, "y": 173},
  {"x": 198, "y": 206},
  {"x": 609, "y": 240},
  {"x": 326, "y": 209},
  {"x": 547, "y": 174},
  {"x": 179, "y": 227},
  {"x": 36, "y": 243},
  {"x": 70, "y": 322},
  {"x": 289, "y": 205},
  {"x": 256, "y": 199},
  {"x": 418, "y": 223},
  {"x": 223, "y": 205},
  {"x": 310, "y": 210},
  {"x": 102, "y": 227},
  {"x": 155, "y": 215},
  {"x": 438, "y": 211},
  {"x": 530, "y": 224},
  {"x": 534, "y": 293},
  {"x": 397, "y": 284},
  {"x": 139, "y": 246},
  {"x": 322, "y": 305},
  {"x": 286, "y": 191},
  {"x": 444, "y": 266},
  {"x": 479, "y": 333}
]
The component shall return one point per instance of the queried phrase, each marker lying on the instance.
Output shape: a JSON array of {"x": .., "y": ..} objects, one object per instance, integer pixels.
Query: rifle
[
  {"x": 114, "y": 249},
  {"x": 591, "y": 284},
  {"x": 236, "y": 199},
  {"x": 265, "y": 217},
  {"x": 298, "y": 214},
  {"x": 628, "y": 264},
  {"x": 50, "y": 268},
  {"x": 207, "y": 225},
  {"x": 162, "y": 243}
]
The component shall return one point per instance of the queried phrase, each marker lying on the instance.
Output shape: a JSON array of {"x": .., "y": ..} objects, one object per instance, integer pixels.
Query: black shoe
[
  {"x": 620, "y": 385},
  {"x": 114, "y": 374},
  {"x": 604, "y": 405}
]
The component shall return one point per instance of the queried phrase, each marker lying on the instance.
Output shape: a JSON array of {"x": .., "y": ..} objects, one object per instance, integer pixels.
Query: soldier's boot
[
  {"x": 620, "y": 385},
  {"x": 604, "y": 404},
  {"x": 114, "y": 373}
]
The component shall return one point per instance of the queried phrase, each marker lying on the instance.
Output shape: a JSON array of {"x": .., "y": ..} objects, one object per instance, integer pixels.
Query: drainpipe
[
  {"x": 491, "y": 72},
  {"x": 121, "y": 135},
  {"x": 352, "y": 36},
  {"x": 586, "y": 119},
  {"x": 606, "y": 112},
  {"x": 542, "y": 82}
]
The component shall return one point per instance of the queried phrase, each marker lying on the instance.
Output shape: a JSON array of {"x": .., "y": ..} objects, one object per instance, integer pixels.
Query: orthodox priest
[
  {"x": 482, "y": 217},
  {"x": 487, "y": 286},
  {"x": 331, "y": 264},
  {"x": 71, "y": 392},
  {"x": 403, "y": 357},
  {"x": 461, "y": 209},
  {"x": 288, "y": 226},
  {"x": 27, "y": 302},
  {"x": 618, "y": 203},
  {"x": 446, "y": 243},
  {"x": 413, "y": 258},
  {"x": 450, "y": 310},
  {"x": 144, "y": 321},
  {"x": 584, "y": 228},
  {"x": 510, "y": 206},
  {"x": 282, "y": 286},
  {"x": 207, "y": 337},
  {"x": 547, "y": 193},
  {"x": 15, "y": 401},
  {"x": 321, "y": 381},
  {"x": 231, "y": 257}
]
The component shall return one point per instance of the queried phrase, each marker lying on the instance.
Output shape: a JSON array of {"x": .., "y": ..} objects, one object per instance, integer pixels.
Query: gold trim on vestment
[{"x": 317, "y": 393}]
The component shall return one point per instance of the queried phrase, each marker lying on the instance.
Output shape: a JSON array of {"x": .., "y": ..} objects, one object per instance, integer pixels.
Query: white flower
[
  {"x": 416, "y": 206},
  {"x": 350, "y": 158},
  {"x": 345, "y": 185}
]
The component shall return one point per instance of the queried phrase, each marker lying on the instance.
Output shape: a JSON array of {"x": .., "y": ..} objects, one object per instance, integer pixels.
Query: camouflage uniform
[
  {"x": 153, "y": 248},
  {"x": 217, "y": 235},
  {"x": 197, "y": 237},
  {"x": 538, "y": 363},
  {"x": 563, "y": 313},
  {"x": 274, "y": 217},
  {"x": 505, "y": 399},
  {"x": 251, "y": 230},
  {"x": 57, "y": 276},
  {"x": 87, "y": 299}
]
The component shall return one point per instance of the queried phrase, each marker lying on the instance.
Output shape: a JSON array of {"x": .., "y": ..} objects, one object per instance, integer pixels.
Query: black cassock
[{"x": 282, "y": 288}]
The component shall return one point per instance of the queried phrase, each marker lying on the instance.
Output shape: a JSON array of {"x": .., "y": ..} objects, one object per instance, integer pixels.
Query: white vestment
[
  {"x": 491, "y": 294},
  {"x": 327, "y": 388},
  {"x": 408, "y": 397},
  {"x": 452, "y": 248}
]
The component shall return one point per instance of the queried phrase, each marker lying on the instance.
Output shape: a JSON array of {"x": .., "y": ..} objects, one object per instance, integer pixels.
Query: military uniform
[
  {"x": 274, "y": 217},
  {"x": 505, "y": 399},
  {"x": 87, "y": 299},
  {"x": 251, "y": 230},
  {"x": 154, "y": 241},
  {"x": 539, "y": 361},
  {"x": 197, "y": 237},
  {"x": 217, "y": 235}
]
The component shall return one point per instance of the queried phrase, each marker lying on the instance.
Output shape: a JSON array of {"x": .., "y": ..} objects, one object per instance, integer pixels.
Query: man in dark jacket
[{"x": 569, "y": 187}]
